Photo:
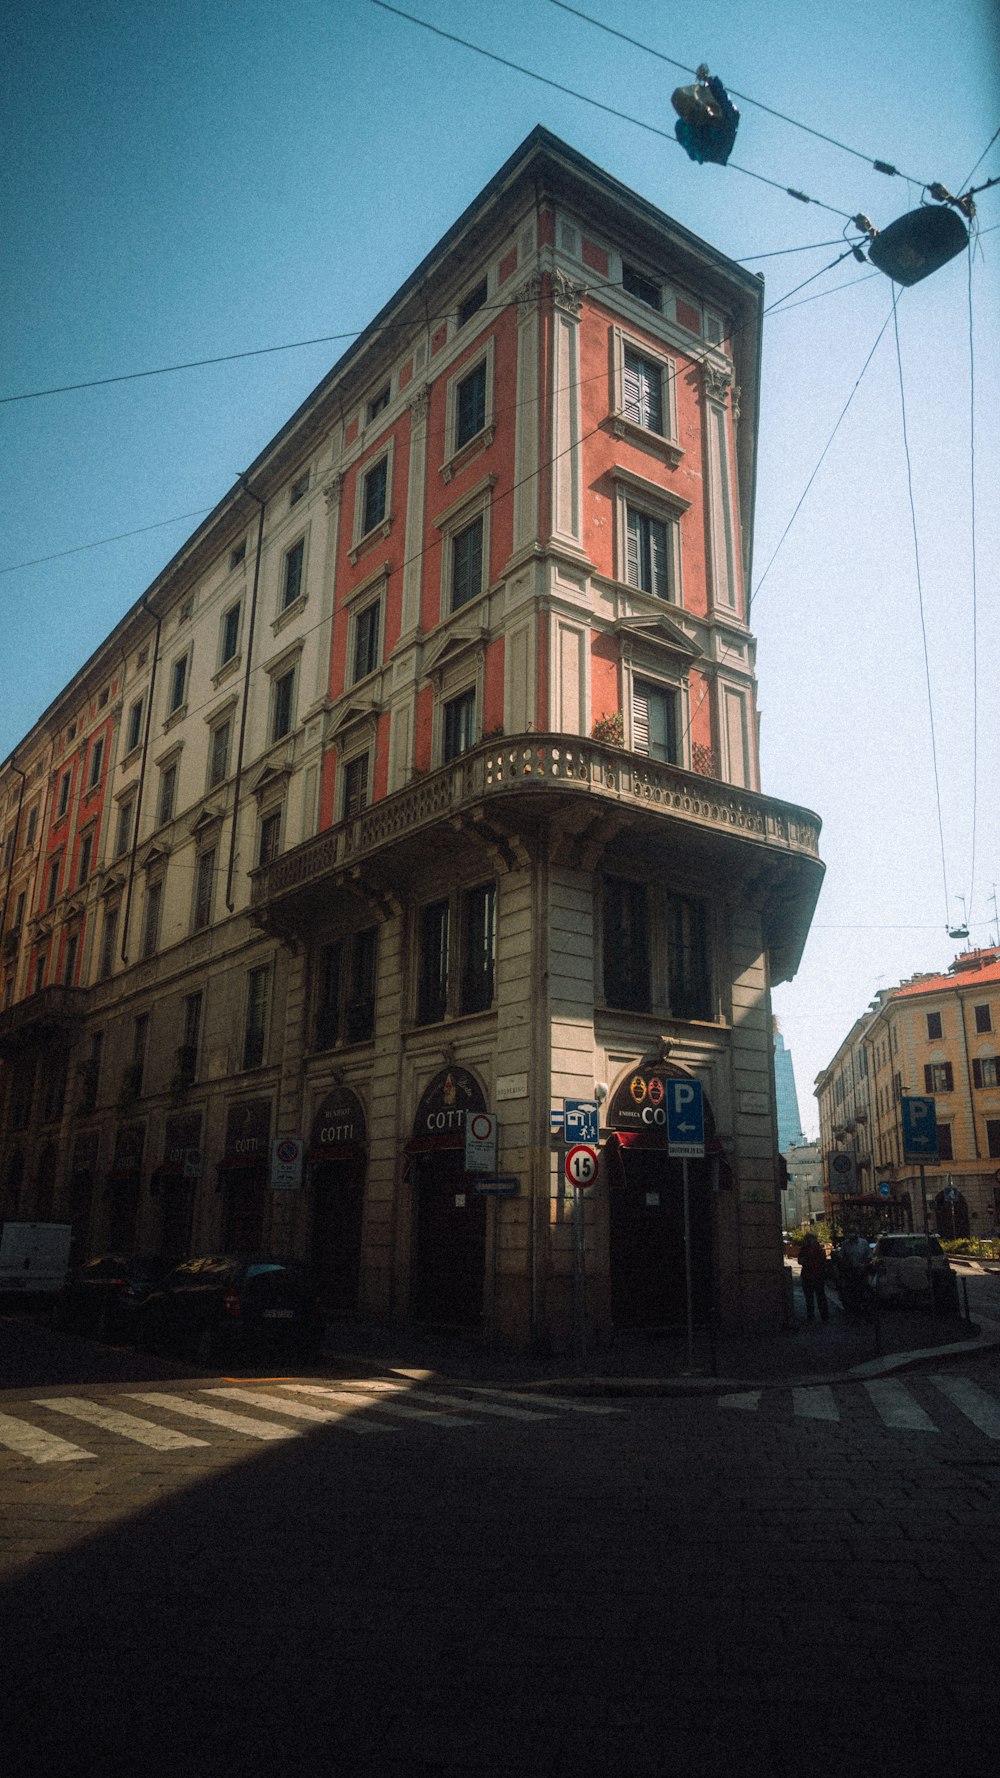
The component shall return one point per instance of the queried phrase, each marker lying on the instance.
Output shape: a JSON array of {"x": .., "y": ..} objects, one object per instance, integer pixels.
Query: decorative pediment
[
  {"x": 351, "y": 715},
  {"x": 452, "y": 647},
  {"x": 271, "y": 778},
  {"x": 204, "y": 823},
  {"x": 657, "y": 630},
  {"x": 153, "y": 856},
  {"x": 112, "y": 883}
]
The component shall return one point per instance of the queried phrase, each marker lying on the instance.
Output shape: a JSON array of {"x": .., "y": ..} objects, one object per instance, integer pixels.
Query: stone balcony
[
  {"x": 582, "y": 794},
  {"x": 52, "y": 1015}
]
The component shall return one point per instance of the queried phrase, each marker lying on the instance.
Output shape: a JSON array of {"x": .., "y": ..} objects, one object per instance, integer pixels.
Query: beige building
[
  {"x": 428, "y": 797},
  {"x": 936, "y": 1036}
]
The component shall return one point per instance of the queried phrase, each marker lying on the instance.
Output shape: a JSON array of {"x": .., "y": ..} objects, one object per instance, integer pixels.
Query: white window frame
[
  {"x": 134, "y": 720},
  {"x": 660, "y": 504},
  {"x": 454, "y": 453},
  {"x": 359, "y": 610},
  {"x": 95, "y": 763},
  {"x": 227, "y": 660},
  {"x": 286, "y": 605},
  {"x": 477, "y": 503},
  {"x": 382, "y": 527},
  {"x": 666, "y": 443},
  {"x": 346, "y": 762},
  {"x": 180, "y": 660}
]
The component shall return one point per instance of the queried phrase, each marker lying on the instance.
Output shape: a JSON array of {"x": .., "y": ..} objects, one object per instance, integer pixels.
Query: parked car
[
  {"x": 101, "y": 1296},
  {"x": 901, "y": 1271},
  {"x": 224, "y": 1306}
]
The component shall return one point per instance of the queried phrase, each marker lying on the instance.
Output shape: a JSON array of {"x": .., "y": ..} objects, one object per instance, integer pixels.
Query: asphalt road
[{"x": 489, "y": 1586}]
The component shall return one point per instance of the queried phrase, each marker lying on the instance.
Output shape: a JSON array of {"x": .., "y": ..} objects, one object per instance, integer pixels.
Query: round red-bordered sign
[{"x": 581, "y": 1165}]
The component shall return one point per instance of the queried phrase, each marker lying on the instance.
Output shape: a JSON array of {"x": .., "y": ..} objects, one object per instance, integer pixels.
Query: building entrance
[
  {"x": 449, "y": 1248},
  {"x": 646, "y": 1210},
  {"x": 338, "y": 1157}
]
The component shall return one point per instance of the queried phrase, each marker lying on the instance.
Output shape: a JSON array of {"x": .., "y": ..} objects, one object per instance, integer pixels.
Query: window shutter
[
  {"x": 658, "y": 559},
  {"x": 640, "y": 721},
  {"x": 928, "y": 1078},
  {"x": 634, "y": 544}
]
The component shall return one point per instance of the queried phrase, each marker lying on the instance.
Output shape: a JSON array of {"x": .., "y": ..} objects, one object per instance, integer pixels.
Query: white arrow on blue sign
[
  {"x": 920, "y": 1137},
  {"x": 685, "y": 1119}
]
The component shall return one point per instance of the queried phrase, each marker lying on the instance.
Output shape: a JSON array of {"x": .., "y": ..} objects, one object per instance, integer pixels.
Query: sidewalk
[{"x": 657, "y": 1364}]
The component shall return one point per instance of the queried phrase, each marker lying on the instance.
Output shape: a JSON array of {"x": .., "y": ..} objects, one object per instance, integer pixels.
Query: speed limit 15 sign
[{"x": 581, "y": 1164}]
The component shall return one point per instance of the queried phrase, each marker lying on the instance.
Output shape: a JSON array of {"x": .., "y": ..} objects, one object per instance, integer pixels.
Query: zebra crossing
[
  {"x": 897, "y": 1405},
  {"x": 265, "y": 1412}
]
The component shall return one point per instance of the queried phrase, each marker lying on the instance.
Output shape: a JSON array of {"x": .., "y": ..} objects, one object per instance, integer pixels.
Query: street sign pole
[
  {"x": 927, "y": 1237},
  {"x": 579, "y": 1277},
  {"x": 688, "y": 1270}
]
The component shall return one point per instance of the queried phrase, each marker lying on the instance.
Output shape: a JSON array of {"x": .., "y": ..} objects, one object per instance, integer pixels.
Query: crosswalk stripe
[
  {"x": 895, "y": 1405},
  {"x": 200, "y": 1410},
  {"x": 498, "y": 1408},
  {"x": 747, "y": 1399},
  {"x": 564, "y": 1403},
  {"x": 142, "y": 1432},
  {"x": 982, "y": 1409},
  {"x": 41, "y": 1447},
  {"x": 300, "y": 1410},
  {"x": 362, "y": 1398},
  {"x": 815, "y": 1402}
]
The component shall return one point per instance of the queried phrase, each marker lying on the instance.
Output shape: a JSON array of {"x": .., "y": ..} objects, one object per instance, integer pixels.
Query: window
[
  {"x": 90, "y": 1073},
  {"x": 204, "y": 883},
  {"x": 478, "y": 948},
  {"x": 8, "y": 850},
  {"x": 230, "y": 634},
  {"x": 636, "y": 284},
  {"x": 281, "y": 717},
  {"x": 140, "y": 1040},
  {"x": 18, "y": 920},
  {"x": 218, "y": 753},
  {"x": 459, "y": 725},
  {"x": 375, "y": 489},
  {"x": 626, "y": 945},
  {"x": 168, "y": 791},
  {"x": 123, "y": 829},
  {"x": 52, "y": 884},
  {"x": 654, "y": 721},
  {"x": 378, "y": 403},
  {"x": 345, "y": 1011},
  {"x": 355, "y": 786},
  {"x": 291, "y": 586},
  {"x": 367, "y": 630},
  {"x": 96, "y": 761},
  {"x": 187, "y": 1053},
  {"x": 467, "y": 564},
  {"x": 270, "y": 837},
  {"x": 934, "y": 1024},
  {"x": 151, "y": 917},
  {"x": 178, "y": 685},
  {"x": 133, "y": 729},
  {"x": 984, "y": 1018},
  {"x": 986, "y": 1071},
  {"x": 643, "y": 392},
  {"x": 993, "y": 1137},
  {"x": 64, "y": 788},
  {"x": 648, "y": 560},
  {"x": 471, "y": 302},
  {"x": 470, "y": 405},
  {"x": 258, "y": 990},
  {"x": 299, "y": 488},
  {"x": 38, "y": 980},
  {"x": 32, "y": 828},
  {"x": 69, "y": 958},
  {"x": 945, "y": 1151},
  {"x": 937, "y": 1077},
  {"x": 86, "y": 852},
  {"x": 432, "y": 986},
  {"x": 238, "y": 555},
  {"x": 656, "y": 954},
  {"x": 109, "y": 931}
]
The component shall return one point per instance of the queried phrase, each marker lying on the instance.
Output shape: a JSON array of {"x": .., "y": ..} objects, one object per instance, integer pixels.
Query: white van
[{"x": 34, "y": 1256}]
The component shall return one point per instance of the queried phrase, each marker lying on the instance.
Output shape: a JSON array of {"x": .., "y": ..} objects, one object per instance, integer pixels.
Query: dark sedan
[
  {"x": 226, "y": 1307},
  {"x": 102, "y": 1295}
]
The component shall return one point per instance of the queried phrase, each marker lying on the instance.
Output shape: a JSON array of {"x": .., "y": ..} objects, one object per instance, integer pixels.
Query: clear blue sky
[{"x": 185, "y": 182}]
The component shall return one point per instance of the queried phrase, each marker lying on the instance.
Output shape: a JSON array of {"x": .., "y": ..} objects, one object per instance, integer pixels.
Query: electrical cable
[
  {"x": 119, "y": 537},
  {"x": 611, "y": 110},
  {"x": 880, "y": 166},
  {"x": 920, "y": 601},
  {"x": 982, "y": 157}
]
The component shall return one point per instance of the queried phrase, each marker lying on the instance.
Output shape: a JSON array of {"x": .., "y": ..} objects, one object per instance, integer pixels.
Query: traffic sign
[
  {"x": 480, "y": 1142},
  {"x": 685, "y": 1119},
  {"x": 498, "y": 1185},
  {"x": 581, "y": 1120},
  {"x": 286, "y": 1163},
  {"x": 950, "y": 1194},
  {"x": 884, "y": 1188},
  {"x": 920, "y": 1138},
  {"x": 581, "y": 1164},
  {"x": 843, "y": 1173}
]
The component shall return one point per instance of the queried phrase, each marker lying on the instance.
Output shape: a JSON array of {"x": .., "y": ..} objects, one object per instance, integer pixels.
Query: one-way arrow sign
[{"x": 685, "y": 1119}]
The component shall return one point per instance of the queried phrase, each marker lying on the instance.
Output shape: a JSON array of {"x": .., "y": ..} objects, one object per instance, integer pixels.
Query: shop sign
[
  {"x": 451, "y": 1095},
  {"x": 644, "y": 1103},
  {"x": 248, "y": 1133},
  {"x": 338, "y": 1124},
  {"x": 182, "y": 1146}
]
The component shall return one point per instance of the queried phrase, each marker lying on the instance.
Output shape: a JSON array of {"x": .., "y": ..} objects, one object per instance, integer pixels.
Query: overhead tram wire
[
  {"x": 879, "y": 166},
  {"x": 920, "y": 602},
  {"x": 611, "y": 110}
]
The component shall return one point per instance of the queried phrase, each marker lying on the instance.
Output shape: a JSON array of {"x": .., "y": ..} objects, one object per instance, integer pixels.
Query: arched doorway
[
  {"x": 244, "y": 1176},
  {"x": 338, "y": 1160},
  {"x": 123, "y": 1185},
  {"x": 646, "y": 1209},
  {"x": 177, "y": 1180},
  {"x": 952, "y": 1217},
  {"x": 449, "y": 1257}
]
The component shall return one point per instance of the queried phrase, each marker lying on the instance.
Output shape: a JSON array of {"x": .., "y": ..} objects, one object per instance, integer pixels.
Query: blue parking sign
[
  {"x": 920, "y": 1138},
  {"x": 685, "y": 1119}
]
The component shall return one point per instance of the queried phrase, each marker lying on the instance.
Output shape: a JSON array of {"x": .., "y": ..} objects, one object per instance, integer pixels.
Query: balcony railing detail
[{"x": 515, "y": 766}]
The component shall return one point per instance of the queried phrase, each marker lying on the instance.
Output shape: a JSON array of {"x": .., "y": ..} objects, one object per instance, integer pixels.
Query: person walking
[
  {"x": 855, "y": 1263},
  {"x": 812, "y": 1270}
]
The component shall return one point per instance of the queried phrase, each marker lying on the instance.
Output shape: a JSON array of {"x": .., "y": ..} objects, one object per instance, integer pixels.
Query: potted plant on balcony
[{"x": 610, "y": 729}]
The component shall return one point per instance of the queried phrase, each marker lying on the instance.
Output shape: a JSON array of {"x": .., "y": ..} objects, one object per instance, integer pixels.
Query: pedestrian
[
  {"x": 812, "y": 1269},
  {"x": 855, "y": 1261}
]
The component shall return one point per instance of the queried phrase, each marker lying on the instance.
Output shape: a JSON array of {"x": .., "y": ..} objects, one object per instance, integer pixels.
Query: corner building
[{"x": 481, "y": 799}]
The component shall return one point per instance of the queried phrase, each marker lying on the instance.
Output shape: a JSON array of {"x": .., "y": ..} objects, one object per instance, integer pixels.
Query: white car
[{"x": 901, "y": 1271}]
